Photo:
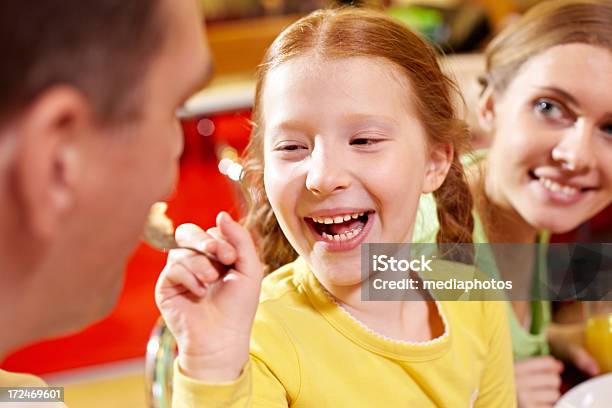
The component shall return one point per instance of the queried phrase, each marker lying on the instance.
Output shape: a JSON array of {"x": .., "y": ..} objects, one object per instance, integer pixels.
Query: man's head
[{"x": 88, "y": 141}]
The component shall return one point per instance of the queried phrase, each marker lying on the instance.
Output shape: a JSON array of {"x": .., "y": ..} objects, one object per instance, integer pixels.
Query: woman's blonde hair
[
  {"x": 349, "y": 32},
  {"x": 546, "y": 25}
]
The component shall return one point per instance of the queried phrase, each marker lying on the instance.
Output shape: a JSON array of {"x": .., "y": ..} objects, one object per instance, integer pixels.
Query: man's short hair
[{"x": 101, "y": 47}]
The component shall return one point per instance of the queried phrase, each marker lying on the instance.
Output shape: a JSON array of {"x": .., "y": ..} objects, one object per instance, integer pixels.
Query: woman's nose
[
  {"x": 327, "y": 172},
  {"x": 574, "y": 152}
]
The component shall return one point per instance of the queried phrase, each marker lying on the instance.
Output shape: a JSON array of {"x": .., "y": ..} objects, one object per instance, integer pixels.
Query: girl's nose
[
  {"x": 574, "y": 152},
  {"x": 327, "y": 172}
]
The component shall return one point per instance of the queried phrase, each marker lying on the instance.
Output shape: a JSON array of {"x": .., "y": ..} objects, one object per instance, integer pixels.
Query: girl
[
  {"x": 549, "y": 167},
  {"x": 353, "y": 121}
]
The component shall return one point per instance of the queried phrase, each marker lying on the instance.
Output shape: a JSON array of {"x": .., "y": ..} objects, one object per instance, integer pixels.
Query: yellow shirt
[{"x": 306, "y": 351}]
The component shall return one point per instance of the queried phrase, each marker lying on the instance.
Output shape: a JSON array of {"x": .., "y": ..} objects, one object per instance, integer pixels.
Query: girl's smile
[{"x": 340, "y": 229}]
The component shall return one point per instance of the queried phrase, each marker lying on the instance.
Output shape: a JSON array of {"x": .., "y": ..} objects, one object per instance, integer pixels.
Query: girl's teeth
[
  {"x": 556, "y": 187},
  {"x": 337, "y": 219},
  {"x": 342, "y": 237}
]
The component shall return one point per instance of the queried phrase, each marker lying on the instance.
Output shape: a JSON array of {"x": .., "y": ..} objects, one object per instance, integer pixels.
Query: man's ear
[
  {"x": 47, "y": 160},
  {"x": 437, "y": 166},
  {"x": 486, "y": 109}
]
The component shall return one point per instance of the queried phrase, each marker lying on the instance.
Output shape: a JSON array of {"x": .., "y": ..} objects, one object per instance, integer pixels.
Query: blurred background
[{"x": 103, "y": 365}]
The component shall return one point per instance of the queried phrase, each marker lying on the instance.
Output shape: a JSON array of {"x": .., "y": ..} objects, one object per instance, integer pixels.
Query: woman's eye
[
  {"x": 607, "y": 128},
  {"x": 549, "y": 109}
]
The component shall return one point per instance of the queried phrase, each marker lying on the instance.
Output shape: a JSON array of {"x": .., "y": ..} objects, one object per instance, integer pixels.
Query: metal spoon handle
[
  {"x": 222, "y": 268},
  {"x": 158, "y": 232}
]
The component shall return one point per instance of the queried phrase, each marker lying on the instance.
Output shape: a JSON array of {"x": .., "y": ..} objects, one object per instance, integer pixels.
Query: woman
[{"x": 547, "y": 107}]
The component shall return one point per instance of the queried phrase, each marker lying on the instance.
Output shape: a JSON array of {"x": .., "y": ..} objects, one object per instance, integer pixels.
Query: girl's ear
[
  {"x": 486, "y": 109},
  {"x": 437, "y": 166}
]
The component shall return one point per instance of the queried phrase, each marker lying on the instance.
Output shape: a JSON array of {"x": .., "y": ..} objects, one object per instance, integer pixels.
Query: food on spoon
[{"x": 159, "y": 229}]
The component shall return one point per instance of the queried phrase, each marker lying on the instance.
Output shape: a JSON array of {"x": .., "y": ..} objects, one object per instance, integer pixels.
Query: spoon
[{"x": 159, "y": 234}]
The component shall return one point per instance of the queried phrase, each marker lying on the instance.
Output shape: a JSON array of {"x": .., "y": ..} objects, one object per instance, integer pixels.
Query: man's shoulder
[{"x": 8, "y": 379}]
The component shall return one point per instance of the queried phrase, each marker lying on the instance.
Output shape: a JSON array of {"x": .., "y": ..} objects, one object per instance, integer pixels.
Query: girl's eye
[
  {"x": 550, "y": 109},
  {"x": 289, "y": 147},
  {"x": 364, "y": 141},
  {"x": 607, "y": 128}
]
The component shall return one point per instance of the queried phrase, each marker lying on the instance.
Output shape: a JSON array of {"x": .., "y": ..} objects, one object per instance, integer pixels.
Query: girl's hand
[
  {"x": 538, "y": 381},
  {"x": 209, "y": 314},
  {"x": 567, "y": 343}
]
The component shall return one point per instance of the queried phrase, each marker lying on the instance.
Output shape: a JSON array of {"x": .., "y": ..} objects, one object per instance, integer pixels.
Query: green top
[{"x": 525, "y": 343}]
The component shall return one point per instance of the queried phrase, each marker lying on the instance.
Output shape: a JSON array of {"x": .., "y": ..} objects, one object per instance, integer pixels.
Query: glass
[{"x": 598, "y": 333}]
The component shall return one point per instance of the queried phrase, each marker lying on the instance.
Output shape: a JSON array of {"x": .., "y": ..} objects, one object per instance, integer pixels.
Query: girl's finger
[
  {"x": 247, "y": 261},
  {"x": 199, "y": 266},
  {"x": 190, "y": 235},
  {"x": 226, "y": 253},
  {"x": 177, "y": 274}
]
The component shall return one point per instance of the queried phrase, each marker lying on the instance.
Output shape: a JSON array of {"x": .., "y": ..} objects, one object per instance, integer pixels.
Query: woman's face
[
  {"x": 346, "y": 159},
  {"x": 551, "y": 156}
]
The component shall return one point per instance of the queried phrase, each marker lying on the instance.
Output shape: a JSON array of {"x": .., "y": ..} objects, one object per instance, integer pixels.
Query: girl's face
[
  {"x": 346, "y": 159},
  {"x": 551, "y": 157}
]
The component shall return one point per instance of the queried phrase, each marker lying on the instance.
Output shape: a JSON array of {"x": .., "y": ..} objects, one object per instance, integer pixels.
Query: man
[{"x": 88, "y": 141}]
